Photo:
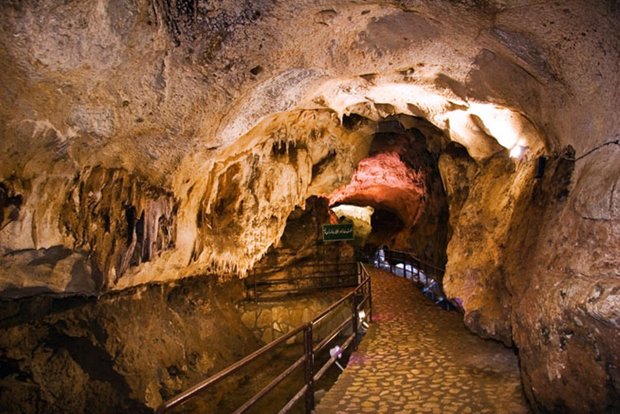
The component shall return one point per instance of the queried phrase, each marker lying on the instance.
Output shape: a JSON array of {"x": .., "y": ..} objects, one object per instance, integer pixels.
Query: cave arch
[{"x": 400, "y": 179}]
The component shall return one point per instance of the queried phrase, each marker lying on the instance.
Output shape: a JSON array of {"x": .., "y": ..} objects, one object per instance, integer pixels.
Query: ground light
[
  {"x": 362, "y": 316},
  {"x": 336, "y": 353}
]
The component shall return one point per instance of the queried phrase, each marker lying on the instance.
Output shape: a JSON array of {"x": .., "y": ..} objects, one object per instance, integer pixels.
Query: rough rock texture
[
  {"x": 230, "y": 114},
  {"x": 385, "y": 180},
  {"x": 360, "y": 217},
  {"x": 573, "y": 282},
  {"x": 401, "y": 178},
  {"x": 476, "y": 272},
  {"x": 122, "y": 352},
  {"x": 301, "y": 242}
]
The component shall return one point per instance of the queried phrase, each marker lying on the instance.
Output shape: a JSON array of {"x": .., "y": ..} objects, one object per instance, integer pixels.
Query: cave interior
[{"x": 154, "y": 154}]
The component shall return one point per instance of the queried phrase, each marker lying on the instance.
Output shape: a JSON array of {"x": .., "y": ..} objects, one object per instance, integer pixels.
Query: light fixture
[
  {"x": 336, "y": 353},
  {"x": 517, "y": 151},
  {"x": 362, "y": 316}
]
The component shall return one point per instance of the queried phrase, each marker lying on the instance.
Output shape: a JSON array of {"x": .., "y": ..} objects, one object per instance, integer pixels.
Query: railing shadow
[{"x": 277, "y": 282}]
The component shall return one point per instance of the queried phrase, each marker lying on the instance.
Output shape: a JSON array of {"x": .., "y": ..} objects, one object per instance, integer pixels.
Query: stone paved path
[{"x": 417, "y": 358}]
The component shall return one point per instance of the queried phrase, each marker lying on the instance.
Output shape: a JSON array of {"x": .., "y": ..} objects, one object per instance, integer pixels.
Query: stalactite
[{"x": 120, "y": 220}]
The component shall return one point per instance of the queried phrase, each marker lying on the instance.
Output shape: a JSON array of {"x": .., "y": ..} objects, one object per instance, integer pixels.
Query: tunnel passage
[
  {"x": 400, "y": 180},
  {"x": 385, "y": 225}
]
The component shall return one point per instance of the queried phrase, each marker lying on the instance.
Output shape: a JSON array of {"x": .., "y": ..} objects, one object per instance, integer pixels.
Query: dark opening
[{"x": 385, "y": 226}]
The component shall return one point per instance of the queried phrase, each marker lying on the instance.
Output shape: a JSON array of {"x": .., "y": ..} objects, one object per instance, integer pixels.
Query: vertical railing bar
[
  {"x": 362, "y": 290},
  {"x": 368, "y": 288},
  {"x": 309, "y": 368},
  {"x": 354, "y": 319}
]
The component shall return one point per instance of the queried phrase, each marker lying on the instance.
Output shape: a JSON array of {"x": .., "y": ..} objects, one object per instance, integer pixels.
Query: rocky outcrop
[
  {"x": 121, "y": 352},
  {"x": 110, "y": 221},
  {"x": 569, "y": 287},
  {"x": 302, "y": 238},
  {"x": 119, "y": 220},
  {"x": 249, "y": 196},
  {"x": 477, "y": 252},
  {"x": 10, "y": 203}
]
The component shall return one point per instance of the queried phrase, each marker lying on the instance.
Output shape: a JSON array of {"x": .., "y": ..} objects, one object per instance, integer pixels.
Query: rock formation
[
  {"x": 147, "y": 141},
  {"x": 124, "y": 352},
  {"x": 400, "y": 179}
]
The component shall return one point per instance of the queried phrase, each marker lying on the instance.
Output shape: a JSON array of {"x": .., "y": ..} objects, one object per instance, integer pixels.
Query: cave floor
[{"x": 418, "y": 358}]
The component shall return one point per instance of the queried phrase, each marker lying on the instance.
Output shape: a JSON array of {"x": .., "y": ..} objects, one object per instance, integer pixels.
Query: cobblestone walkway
[{"x": 417, "y": 358}]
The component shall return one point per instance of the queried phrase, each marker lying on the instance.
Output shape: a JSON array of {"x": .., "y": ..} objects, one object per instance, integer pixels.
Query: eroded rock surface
[
  {"x": 400, "y": 178},
  {"x": 122, "y": 352}
]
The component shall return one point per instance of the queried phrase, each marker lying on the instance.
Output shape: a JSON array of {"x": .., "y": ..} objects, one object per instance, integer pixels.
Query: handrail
[
  {"x": 426, "y": 263},
  {"x": 359, "y": 297},
  {"x": 275, "y": 269},
  {"x": 331, "y": 307},
  {"x": 212, "y": 380},
  {"x": 421, "y": 266},
  {"x": 314, "y": 276},
  {"x": 436, "y": 275}
]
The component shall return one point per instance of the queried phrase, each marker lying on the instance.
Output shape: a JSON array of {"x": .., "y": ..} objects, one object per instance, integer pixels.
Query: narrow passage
[{"x": 418, "y": 358}]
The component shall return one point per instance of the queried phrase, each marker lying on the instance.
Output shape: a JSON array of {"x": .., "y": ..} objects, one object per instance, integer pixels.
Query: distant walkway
[{"x": 417, "y": 358}]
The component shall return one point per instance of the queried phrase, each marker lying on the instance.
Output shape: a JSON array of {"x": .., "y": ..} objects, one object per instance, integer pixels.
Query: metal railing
[
  {"x": 423, "y": 273},
  {"x": 414, "y": 268},
  {"x": 360, "y": 298},
  {"x": 275, "y": 282}
]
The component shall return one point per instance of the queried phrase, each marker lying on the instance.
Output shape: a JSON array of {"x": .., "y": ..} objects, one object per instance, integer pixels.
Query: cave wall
[
  {"x": 302, "y": 240},
  {"x": 428, "y": 237},
  {"x": 125, "y": 351},
  {"x": 476, "y": 274},
  {"x": 572, "y": 278},
  {"x": 175, "y": 106},
  {"x": 107, "y": 228}
]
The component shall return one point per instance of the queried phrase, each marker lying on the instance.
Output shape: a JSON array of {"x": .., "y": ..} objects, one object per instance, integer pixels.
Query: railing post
[
  {"x": 309, "y": 368},
  {"x": 355, "y": 319},
  {"x": 407, "y": 264},
  {"x": 369, "y": 300}
]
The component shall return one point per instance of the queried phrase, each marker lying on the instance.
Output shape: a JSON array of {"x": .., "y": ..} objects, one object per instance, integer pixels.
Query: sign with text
[{"x": 337, "y": 232}]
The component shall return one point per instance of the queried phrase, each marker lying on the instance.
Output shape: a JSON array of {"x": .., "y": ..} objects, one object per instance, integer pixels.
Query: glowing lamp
[
  {"x": 517, "y": 151},
  {"x": 335, "y": 353}
]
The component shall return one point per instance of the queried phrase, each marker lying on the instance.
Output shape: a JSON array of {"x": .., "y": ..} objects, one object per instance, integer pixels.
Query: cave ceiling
[
  {"x": 190, "y": 97},
  {"x": 211, "y": 121}
]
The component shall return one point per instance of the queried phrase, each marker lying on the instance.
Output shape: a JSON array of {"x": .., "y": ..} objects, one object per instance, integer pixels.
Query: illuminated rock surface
[{"x": 150, "y": 141}]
